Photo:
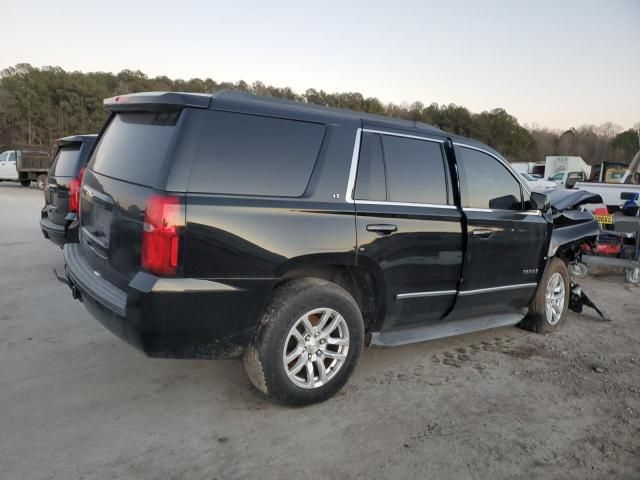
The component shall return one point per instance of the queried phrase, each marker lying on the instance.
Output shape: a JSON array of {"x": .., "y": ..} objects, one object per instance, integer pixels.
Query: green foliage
[
  {"x": 625, "y": 145},
  {"x": 38, "y": 105}
]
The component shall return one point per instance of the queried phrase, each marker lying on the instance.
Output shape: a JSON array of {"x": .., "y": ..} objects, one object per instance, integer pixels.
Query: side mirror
[{"x": 540, "y": 201}]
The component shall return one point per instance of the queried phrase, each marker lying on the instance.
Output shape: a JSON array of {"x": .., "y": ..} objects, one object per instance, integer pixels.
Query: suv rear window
[
  {"x": 251, "y": 155},
  {"x": 134, "y": 146},
  {"x": 67, "y": 162}
]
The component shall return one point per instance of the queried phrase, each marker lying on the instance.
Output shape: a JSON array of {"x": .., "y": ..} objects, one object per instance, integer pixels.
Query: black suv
[
  {"x": 59, "y": 216},
  {"x": 219, "y": 225}
]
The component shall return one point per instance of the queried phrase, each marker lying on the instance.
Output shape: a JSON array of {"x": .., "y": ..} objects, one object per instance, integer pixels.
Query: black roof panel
[
  {"x": 242, "y": 102},
  {"x": 246, "y": 102}
]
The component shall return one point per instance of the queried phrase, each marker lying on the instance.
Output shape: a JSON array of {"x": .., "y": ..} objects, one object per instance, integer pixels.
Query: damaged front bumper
[{"x": 573, "y": 227}]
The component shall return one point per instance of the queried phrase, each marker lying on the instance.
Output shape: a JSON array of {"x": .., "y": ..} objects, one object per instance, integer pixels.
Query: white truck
[
  {"x": 8, "y": 170},
  {"x": 615, "y": 194},
  {"x": 25, "y": 164},
  {"x": 568, "y": 179},
  {"x": 565, "y": 171}
]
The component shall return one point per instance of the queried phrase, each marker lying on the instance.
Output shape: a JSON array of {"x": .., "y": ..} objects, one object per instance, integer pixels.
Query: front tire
[
  {"x": 548, "y": 308},
  {"x": 307, "y": 343}
]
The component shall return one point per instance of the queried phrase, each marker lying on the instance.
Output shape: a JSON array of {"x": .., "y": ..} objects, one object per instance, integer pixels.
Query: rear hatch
[
  {"x": 128, "y": 169},
  {"x": 64, "y": 175}
]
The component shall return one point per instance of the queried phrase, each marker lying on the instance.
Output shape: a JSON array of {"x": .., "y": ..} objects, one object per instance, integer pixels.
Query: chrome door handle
[
  {"x": 382, "y": 228},
  {"x": 482, "y": 233}
]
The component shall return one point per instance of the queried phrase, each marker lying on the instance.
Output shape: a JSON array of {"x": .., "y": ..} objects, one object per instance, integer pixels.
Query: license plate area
[
  {"x": 604, "y": 219},
  {"x": 97, "y": 216}
]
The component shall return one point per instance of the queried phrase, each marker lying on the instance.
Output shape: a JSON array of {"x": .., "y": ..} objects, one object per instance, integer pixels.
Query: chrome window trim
[
  {"x": 404, "y": 135},
  {"x": 516, "y": 212},
  {"x": 355, "y": 156},
  {"x": 351, "y": 183},
  {"x": 403, "y": 204},
  {"x": 463, "y": 293},
  {"x": 434, "y": 293}
]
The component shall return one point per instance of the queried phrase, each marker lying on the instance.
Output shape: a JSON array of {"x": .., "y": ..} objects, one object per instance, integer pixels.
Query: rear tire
[
  {"x": 25, "y": 183},
  {"x": 41, "y": 181},
  {"x": 307, "y": 343},
  {"x": 548, "y": 308}
]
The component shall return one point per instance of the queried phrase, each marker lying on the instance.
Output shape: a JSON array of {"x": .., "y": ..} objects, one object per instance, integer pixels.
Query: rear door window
[
  {"x": 135, "y": 145},
  {"x": 415, "y": 170},
  {"x": 67, "y": 162},
  {"x": 241, "y": 154}
]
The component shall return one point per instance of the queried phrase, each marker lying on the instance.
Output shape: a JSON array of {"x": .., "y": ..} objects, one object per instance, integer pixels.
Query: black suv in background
[
  {"x": 59, "y": 216},
  {"x": 214, "y": 226}
]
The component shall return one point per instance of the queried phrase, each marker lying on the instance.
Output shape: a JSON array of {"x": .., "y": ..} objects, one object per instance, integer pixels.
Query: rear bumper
[
  {"x": 59, "y": 234},
  {"x": 171, "y": 317}
]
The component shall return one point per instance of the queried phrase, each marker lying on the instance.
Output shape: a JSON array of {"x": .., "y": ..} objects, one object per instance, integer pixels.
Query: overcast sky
[{"x": 553, "y": 63}]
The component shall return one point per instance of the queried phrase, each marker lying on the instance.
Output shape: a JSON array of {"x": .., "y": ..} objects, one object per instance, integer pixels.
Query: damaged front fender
[
  {"x": 572, "y": 225},
  {"x": 569, "y": 236}
]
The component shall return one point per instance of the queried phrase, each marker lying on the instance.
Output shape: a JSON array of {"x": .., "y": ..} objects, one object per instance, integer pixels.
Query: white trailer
[
  {"x": 523, "y": 167},
  {"x": 557, "y": 164}
]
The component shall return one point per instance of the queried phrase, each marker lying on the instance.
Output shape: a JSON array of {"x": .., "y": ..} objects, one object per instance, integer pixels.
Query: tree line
[{"x": 38, "y": 105}]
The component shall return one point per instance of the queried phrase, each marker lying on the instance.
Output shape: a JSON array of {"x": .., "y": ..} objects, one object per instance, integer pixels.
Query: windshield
[{"x": 66, "y": 163}]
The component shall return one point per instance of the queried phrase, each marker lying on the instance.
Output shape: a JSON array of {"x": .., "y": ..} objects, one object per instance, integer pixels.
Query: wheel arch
[{"x": 362, "y": 283}]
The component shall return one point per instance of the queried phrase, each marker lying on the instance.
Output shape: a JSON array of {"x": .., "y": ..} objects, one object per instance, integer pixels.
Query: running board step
[{"x": 405, "y": 336}]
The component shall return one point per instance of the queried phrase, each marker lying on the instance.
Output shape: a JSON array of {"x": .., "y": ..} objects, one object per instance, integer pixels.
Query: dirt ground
[{"x": 77, "y": 403}]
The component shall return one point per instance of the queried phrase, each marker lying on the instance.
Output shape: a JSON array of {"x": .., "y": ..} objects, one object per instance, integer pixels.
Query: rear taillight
[
  {"x": 74, "y": 192},
  {"x": 163, "y": 221}
]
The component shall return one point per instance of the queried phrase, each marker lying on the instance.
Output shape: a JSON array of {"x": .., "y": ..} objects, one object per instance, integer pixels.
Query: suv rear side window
[
  {"x": 251, "y": 155},
  {"x": 67, "y": 162},
  {"x": 487, "y": 183},
  {"x": 370, "y": 179},
  {"x": 134, "y": 146}
]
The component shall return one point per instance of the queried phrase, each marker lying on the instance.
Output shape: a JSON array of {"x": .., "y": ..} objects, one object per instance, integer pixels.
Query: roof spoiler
[
  {"x": 72, "y": 139},
  {"x": 157, "y": 101}
]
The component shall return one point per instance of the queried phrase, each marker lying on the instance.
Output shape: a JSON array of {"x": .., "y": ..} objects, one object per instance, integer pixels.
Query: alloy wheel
[
  {"x": 555, "y": 298},
  {"x": 316, "y": 348}
]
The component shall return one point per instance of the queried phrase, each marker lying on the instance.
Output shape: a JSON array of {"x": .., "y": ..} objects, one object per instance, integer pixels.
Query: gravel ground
[{"x": 77, "y": 403}]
